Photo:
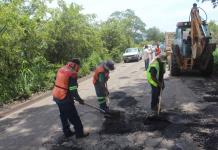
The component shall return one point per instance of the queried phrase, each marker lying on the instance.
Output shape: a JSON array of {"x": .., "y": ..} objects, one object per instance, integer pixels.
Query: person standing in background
[{"x": 146, "y": 56}]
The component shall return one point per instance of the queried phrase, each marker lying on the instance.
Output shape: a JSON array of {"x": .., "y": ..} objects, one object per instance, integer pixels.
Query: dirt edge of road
[{"x": 12, "y": 107}]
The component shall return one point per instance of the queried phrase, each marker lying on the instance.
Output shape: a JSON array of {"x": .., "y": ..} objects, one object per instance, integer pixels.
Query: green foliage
[
  {"x": 36, "y": 40},
  {"x": 132, "y": 25},
  {"x": 84, "y": 70},
  {"x": 214, "y": 2},
  {"x": 116, "y": 55},
  {"x": 154, "y": 34},
  {"x": 213, "y": 27},
  {"x": 95, "y": 59},
  {"x": 215, "y": 54},
  {"x": 145, "y": 43},
  {"x": 73, "y": 35}
]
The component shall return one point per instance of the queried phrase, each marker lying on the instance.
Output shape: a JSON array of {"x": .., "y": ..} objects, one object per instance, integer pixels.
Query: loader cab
[{"x": 182, "y": 38}]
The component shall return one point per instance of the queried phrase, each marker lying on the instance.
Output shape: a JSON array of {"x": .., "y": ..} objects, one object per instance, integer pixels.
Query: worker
[
  {"x": 189, "y": 39},
  {"x": 100, "y": 79},
  {"x": 155, "y": 73},
  {"x": 64, "y": 94},
  {"x": 146, "y": 56},
  {"x": 157, "y": 50}
]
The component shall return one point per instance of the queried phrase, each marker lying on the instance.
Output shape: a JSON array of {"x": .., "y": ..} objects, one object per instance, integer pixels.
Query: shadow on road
[{"x": 29, "y": 128}]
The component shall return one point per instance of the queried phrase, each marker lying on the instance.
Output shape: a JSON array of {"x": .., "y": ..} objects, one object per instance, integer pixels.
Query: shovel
[
  {"x": 112, "y": 114},
  {"x": 160, "y": 99},
  {"x": 91, "y": 106},
  {"x": 106, "y": 114}
]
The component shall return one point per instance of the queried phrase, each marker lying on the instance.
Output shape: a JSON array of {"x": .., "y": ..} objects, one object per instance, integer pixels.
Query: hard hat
[{"x": 110, "y": 64}]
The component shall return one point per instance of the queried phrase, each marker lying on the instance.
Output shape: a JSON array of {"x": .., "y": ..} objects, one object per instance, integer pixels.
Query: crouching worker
[
  {"x": 64, "y": 94},
  {"x": 100, "y": 79},
  {"x": 155, "y": 74}
]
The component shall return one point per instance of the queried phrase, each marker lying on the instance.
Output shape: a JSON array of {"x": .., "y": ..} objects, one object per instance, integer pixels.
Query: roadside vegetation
[
  {"x": 215, "y": 54},
  {"x": 36, "y": 40},
  {"x": 214, "y": 32}
]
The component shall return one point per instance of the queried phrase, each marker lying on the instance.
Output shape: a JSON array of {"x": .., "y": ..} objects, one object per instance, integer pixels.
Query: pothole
[
  {"x": 117, "y": 125},
  {"x": 117, "y": 95},
  {"x": 127, "y": 101},
  {"x": 211, "y": 96},
  {"x": 156, "y": 123}
]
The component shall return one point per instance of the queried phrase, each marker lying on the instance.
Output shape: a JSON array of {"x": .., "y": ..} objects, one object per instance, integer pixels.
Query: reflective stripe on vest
[
  {"x": 62, "y": 82},
  {"x": 99, "y": 69},
  {"x": 154, "y": 64}
]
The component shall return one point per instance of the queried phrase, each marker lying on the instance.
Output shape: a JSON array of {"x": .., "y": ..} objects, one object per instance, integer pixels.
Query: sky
[{"x": 163, "y": 14}]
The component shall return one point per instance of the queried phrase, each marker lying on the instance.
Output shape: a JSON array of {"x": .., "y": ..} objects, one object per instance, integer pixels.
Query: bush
[
  {"x": 116, "y": 55},
  {"x": 84, "y": 69},
  {"x": 91, "y": 63},
  {"x": 34, "y": 76},
  {"x": 215, "y": 54}
]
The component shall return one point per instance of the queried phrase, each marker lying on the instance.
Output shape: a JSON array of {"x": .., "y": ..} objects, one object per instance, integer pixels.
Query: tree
[
  {"x": 112, "y": 35},
  {"x": 214, "y": 2},
  {"x": 214, "y": 30},
  {"x": 132, "y": 24},
  {"x": 72, "y": 34},
  {"x": 154, "y": 34}
]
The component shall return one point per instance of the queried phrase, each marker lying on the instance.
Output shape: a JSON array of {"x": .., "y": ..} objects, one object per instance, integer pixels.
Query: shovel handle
[{"x": 101, "y": 110}]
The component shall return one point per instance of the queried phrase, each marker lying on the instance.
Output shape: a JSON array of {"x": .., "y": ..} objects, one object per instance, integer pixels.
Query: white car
[{"x": 132, "y": 54}]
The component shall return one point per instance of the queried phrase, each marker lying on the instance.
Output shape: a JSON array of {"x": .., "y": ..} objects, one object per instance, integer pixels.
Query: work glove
[{"x": 81, "y": 101}]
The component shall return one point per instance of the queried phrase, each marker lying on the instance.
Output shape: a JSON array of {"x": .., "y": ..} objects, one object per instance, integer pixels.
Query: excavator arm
[{"x": 197, "y": 34}]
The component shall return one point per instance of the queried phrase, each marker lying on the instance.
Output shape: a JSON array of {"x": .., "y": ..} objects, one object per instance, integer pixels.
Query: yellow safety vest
[{"x": 154, "y": 64}]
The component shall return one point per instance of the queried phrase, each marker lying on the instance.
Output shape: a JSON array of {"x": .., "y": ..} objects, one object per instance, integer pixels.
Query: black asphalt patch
[
  {"x": 127, "y": 101},
  {"x": 156, "y": 123},
  {"x": 212, "y": 96},
  {"x": 117, "y": 125},
  {"x": 117, "y": 95}
]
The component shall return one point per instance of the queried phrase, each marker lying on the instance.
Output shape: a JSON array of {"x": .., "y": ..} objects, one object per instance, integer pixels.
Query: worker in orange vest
[
  {"x": 64, "y": 94},
  {"x": 157, "y": 50},
  {"x": 100, "y": 79}
]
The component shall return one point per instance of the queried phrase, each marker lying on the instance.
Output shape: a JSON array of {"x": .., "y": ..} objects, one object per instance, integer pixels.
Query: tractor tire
[
  {"x": 209, "y": 70},
  {"x": 174, "y": 67}
]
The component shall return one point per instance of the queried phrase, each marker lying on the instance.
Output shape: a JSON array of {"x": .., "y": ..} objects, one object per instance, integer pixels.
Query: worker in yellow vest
[
  {"x": 155, "y": 73},
  {"x": 64, "y": 94}
]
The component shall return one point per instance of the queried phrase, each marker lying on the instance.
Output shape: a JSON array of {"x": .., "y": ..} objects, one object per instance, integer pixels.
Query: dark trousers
[
  {"x": 68, "y": 113},
  {"x": 155, "y": 91},
  {"x": 146, "y": 63},
  {"x": 101, "y": 97}
]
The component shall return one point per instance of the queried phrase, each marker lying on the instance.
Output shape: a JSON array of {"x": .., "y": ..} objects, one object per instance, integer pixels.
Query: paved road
[{"x": 183, "y": 124}]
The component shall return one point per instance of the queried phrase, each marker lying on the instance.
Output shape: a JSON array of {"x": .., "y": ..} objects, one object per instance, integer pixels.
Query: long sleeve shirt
[{"x": 73, "y": 85}]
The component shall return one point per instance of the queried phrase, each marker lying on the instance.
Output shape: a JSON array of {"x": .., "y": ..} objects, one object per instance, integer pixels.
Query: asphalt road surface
[{"x": 189, "y": 117}]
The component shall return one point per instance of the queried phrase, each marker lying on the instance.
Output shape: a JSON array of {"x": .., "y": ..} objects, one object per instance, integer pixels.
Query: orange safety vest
[
  {"x": 157, "y": 51},
  {"x": 100, "y": 69},
  {"x": 62, "y": 82}
]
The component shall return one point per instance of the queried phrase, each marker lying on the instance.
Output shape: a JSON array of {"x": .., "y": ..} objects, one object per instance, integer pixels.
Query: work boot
[
  {"x": 83, "y": 135},
  {"x": 107, "y": 115},
  {"x": 69, "y": 134}
]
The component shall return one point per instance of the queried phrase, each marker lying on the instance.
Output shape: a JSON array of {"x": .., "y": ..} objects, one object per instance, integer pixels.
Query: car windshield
[{"x": 129, "y": 50}]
